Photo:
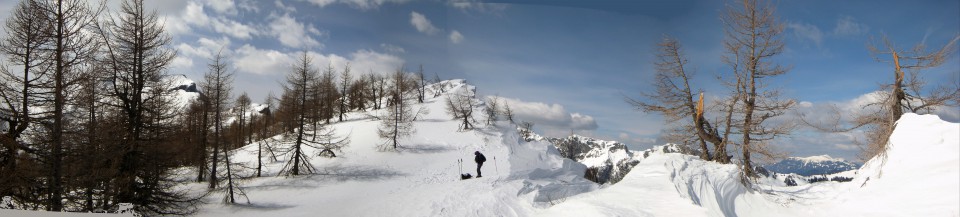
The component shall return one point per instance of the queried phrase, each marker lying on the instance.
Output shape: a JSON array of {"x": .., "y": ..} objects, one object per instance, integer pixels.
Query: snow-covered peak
[
  {"x": 181, "y": 82},
  {"x": 817, "y": 159},
  {"x": 813, "y": 165}
]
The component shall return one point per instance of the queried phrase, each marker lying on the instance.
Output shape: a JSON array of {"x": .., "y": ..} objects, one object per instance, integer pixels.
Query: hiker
[{"x": 479, "y": 159}]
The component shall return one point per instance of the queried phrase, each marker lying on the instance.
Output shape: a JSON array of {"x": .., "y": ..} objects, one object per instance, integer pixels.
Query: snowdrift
[{"x": 919, "y": 176}]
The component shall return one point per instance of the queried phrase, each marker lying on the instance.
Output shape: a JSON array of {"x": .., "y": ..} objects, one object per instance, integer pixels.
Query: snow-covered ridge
[
  {"x": 817, "y": 159},
  {"x": 814, "y": 165}
]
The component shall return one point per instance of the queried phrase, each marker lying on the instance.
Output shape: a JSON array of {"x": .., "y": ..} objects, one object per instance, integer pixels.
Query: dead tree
[
  {"x": 26, "y": 34},
  {"x": 460, "y": 106},
  {"x": 673, "y": 97},
  {"x": 217, "y": 84},
  {"x": 397, "y": 121},
  {"x": 344, "y": 87},
  {"x": 753, "y": 34},
  {"x": 907, "y": 92}
]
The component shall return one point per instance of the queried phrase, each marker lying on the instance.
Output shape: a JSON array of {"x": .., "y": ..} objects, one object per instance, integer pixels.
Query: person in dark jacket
[{"x": 479, "y": 159}]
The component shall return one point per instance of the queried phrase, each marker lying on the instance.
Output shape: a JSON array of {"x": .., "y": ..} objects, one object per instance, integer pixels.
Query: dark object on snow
[
  {"x": 789, "y": 181},
  {"x": 327, "y": 153},
  {"x": 479, "y": 159},
  {"x": 841, "y": 179},
  {"x": 465, "y": 176}
]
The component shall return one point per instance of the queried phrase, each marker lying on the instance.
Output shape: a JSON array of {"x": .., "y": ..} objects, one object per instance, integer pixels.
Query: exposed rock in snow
[{"x": 606, "y": 161}]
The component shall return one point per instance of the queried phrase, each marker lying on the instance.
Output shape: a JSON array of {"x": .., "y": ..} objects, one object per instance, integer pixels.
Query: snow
[
  {"x": 645, "y": 191},
  {"x": 817, "y": 159},
  {"x": 28, "y": 213},
  {"x": 422, "y": 179},
  {"x": 918, "y": 176},
  {"x": 181, "y": 98}
]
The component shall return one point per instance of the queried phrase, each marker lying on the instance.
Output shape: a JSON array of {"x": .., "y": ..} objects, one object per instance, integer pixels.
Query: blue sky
[{"x": 565, "y": 64}]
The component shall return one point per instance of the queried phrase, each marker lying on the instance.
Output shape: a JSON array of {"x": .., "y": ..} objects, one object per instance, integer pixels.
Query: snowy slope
[
  {"x": 182, "y": 88},
  {"x": 919, "y": 176},
  {"x": 645, "y": 191},
  {"x": 420, "y": 180},
  {"x": 607, "y": 161}
]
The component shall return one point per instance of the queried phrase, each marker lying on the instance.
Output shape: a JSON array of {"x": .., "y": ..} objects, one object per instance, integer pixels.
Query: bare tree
[
  {"x": 908, "y": 92},
  {"x": 265, "y": 133},
  {"x": 217, "y": 84},
  {"x": 508, "y": 112},
  {"x": 673, "y": 97},
  {"x": 26, "y": 32},
  {"x": 69, "y": 49},
  {"x": 397, "y": 122},
  {"x": 242, "y": 105},
  {"x": 422, "y": 86},
  {"x": 299, "y": 85},
  {"x": 460, "y": 106},
  {"x": 492, "y": 110},
  {"x": 344, "y": 86},
  {"x": 752, "y": 29}
]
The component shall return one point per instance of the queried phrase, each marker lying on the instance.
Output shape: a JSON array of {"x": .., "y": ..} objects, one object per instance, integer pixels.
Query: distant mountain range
[{"x": 813, "y": 165}]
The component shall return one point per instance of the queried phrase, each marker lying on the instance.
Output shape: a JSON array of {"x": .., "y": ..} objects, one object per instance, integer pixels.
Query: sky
[{"x": 565, "y": 65}]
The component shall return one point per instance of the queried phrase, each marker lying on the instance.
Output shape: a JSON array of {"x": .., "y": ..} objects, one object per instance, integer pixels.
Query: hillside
[{"x": 421, "y": 179}]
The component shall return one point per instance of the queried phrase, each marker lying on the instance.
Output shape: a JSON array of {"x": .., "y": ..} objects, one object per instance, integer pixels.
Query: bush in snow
[{"x": 789, "y": 181}]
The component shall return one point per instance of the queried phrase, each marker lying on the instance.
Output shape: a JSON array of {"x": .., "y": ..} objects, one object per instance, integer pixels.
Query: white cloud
[
  {"x": 364, "y": 61},
  {"x": 234, "y": 29},
  {"x": 184, "y": 49},
  {"x": 456, "y": 37},
  {"x": 250, "y": 59},
  {"x": 249, "y": 5},
  {"x": 181, "y": 63},
  {"x": 167, "y": 7},
  {"x": 807, "y": 32},
  {"x": 293, "y": 34},
  {"x": 174, "y": 25},
  {"x": 279, "y": 4},
  {"x": 322, "y": 3},
  {"x": 422, "y": 23},
  {"x": 223, "y": 6},
  {"x": 465, "y": 5},
  {"x": 360, "y": 4},
  {"x": 195, "y": 15},
  {"x": 550, "y": 116},
  {"x": 847, "y": 26},
  {"x": 204, "y": 49},
  {"x": 214, "y": 45},
  {"x": 392, "y": 48},
  {"x": 847, "y": 147}
]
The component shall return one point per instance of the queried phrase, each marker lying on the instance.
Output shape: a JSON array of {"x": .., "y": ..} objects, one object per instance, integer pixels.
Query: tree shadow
[
  {"x": 341, "y": 173},
  {"x": 327, "y": 176},
  {"x": 426, "y": 149},
  {"x": 259, "y": 206}
]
